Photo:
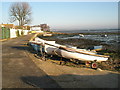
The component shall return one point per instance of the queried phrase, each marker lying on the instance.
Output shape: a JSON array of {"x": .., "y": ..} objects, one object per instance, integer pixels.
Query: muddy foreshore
[{"x": 111, "y": 50}]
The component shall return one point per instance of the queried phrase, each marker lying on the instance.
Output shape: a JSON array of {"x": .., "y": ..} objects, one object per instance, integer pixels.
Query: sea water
[
  {"x": 109, "y": 39},
  {"x": 88, "y": 31}
]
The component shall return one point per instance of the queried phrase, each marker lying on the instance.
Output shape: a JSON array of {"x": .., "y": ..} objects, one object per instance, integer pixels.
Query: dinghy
[
  {"x": 53, "y": 48},
  {"x": 46, "y": 34},
  {"x": 81, "y": 35}
]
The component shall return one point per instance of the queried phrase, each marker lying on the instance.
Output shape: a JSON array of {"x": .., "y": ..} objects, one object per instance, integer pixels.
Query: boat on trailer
[{"x": 52, "y": 48}]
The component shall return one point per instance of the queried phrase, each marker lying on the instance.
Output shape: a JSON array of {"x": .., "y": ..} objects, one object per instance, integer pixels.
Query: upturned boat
[{"x": 52, "y": 48}]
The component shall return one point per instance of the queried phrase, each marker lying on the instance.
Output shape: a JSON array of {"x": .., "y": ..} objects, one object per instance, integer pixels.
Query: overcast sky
[{"x": 70, "y": 15}]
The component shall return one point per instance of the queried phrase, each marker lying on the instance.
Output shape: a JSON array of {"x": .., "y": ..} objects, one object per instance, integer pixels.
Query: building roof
[
  {"x": 36, "y": 26},
  {"x": 7, "y": 25},
  {"x": 22, "y": 27}
]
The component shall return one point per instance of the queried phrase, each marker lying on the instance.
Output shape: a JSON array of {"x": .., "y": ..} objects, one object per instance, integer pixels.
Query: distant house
[
  {"x": 11, "y": 26},
  {"x": 18, "y": 27},
  {"x": 23, "y": 27},
  {"x": 26, "y": 27},
  {"x": 40, "y": 28},
  {"x": 44, "y": 27},
  {"x": 35, "y": 28}
]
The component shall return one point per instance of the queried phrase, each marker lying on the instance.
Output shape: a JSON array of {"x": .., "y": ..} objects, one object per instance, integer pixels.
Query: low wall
[
  {"x": 26, "y": 32},
  {"x": 13, "y": 32}
]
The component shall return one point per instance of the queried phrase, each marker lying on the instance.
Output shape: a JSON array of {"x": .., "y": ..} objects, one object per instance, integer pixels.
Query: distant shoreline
[
  {"x": 115, "y": 31},
  {"x": 90, "y": 33},
  {"x": 87, "y": 43}
]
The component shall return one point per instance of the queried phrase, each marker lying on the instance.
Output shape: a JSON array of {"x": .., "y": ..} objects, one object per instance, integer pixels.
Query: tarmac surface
[
  {"x": 21, "y": 69},
  {"x": 73, "y": 77},
  {"x": 18, "y": 70}
]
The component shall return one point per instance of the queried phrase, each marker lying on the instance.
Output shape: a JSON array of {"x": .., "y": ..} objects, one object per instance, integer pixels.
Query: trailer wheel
[
  {"x": 94, "y": 65},
  {"x": 87, "y": 63}
]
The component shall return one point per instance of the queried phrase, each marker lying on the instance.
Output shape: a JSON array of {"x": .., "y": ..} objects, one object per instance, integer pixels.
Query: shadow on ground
[
  {"x": 33, "y": 51},
  {"x": 74, "y": 81},
  {"x": 25, "y": 47},
  {"x": 69, "y": 80},
  {"x": 40, "y": 82},
  {"x": 38, "y": 55}
]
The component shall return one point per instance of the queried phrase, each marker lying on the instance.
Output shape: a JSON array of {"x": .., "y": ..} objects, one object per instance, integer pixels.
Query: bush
[
  {"x": 22, "y": 32},
  {"x": 17, "y": 33}
]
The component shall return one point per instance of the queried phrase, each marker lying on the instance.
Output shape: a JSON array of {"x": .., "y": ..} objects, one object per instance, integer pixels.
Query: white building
[{"x": 36, "y": 29}]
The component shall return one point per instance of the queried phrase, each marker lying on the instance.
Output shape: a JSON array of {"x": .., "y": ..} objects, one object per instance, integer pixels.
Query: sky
[{"x": 70, "y": 15}]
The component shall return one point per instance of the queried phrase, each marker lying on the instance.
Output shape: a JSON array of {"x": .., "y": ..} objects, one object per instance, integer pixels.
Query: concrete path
[
  {"x": 18, "y": 70},
  {"x": 73, "y": 77}
]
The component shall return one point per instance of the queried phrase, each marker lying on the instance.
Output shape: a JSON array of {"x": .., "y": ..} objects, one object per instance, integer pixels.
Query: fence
[
  {"x": 12, "y": 33},
  {"x": 5, "y": 33},
  {"x": 18, "y": 32}
]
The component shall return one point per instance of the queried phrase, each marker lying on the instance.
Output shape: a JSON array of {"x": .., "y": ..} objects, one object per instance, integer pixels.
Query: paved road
[{"x": 18, "y": 70}]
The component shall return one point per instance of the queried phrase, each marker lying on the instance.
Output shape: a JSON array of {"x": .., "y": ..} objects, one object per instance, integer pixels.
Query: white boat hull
[
  {"x": 52, "y": 48},
  {"x": 72, "y": 55}
]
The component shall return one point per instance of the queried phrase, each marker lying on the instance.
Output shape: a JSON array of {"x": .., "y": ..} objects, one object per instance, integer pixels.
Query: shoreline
[
  {"x": 89, "y": 33},
  {"x": 110, "y": 50}
]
